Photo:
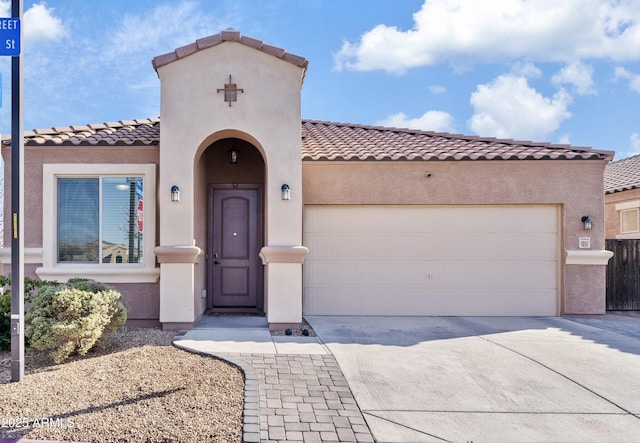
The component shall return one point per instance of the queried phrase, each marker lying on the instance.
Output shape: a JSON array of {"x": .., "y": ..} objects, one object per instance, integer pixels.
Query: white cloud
[
  {"x": 161, "y": 29},
  {"x": 509, "y": 108},
  {"x": 438, "y": 121},
  {"x": 464, "y": 31},
  {"x": 40, "y": 24},
  {"x": 634, "y": 79},
  {"x": 564, "y": 139},
  {"x": 437, "y": 89},
  {"x": 577, "y": 74},
  {"x": 527, "y": 70},
  {"x": 632, "y": 149},
  {"x": 634, "y": 146},
  {"x": 99, "y": 57}
]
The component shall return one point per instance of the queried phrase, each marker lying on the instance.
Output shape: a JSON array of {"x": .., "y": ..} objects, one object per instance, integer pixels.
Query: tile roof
[
  {"x": 123, "y": 132},
  {"x": 229, "y": 35},
  {"x": 339, "y": 141},
  {"x": 325, "y": 141},
  {"x": 622, "y": 175}
]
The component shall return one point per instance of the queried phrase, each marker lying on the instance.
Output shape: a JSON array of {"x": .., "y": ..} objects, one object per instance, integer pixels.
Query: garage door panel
[
  {"x": 347, "y": 301},
  {"x": 431, "y": 246},
  {"x": 432, "y": 275},
  {"x": 424, "y": 260}
]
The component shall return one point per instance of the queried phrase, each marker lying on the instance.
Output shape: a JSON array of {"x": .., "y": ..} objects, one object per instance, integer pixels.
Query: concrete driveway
[{"x": 491, "y": 379}]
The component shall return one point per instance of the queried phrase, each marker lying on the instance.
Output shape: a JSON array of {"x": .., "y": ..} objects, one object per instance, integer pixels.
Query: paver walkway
[
  {"x": 303, "y": 398},
  {"x": 294, "y": 388}
]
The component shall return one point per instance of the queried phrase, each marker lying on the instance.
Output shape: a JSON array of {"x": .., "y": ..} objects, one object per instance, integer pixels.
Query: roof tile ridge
[
  {"x": 251, "y": 42},
  {"x": 44, "y": 131},
  {"x": 207, "y": 42},
  {"x": 625, "y": 160},
  {"x": 62, "y": 129},
  {"x": 146, "y": 121},
  {"x": 392, "y": 129},
  {"x": 228, "y": 35},
  {"x": 79, "y": 128},
  {"x": 128, "y": 123}
]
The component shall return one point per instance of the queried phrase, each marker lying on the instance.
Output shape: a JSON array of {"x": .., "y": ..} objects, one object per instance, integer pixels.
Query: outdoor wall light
[
  {"x": 175, "y": 193},
  {"x": 285, "y": 192},
  {"x": 587, "y": 222},
  {"x": 233, "y": 156}
]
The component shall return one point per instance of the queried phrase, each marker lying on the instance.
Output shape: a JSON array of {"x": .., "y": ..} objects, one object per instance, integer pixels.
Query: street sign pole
[{"x": 17, "y": 197}]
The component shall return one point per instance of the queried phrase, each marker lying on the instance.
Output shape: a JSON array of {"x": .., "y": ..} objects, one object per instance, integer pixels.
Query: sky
[{"x": 545, "y": 70}]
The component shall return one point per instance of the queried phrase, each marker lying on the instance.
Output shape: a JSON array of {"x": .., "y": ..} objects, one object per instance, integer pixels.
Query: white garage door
[{"x": 431, "y": 260}]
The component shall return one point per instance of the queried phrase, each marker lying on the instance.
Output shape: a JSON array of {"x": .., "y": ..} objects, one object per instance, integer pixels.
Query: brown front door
[{"x": 235, "y": 269}]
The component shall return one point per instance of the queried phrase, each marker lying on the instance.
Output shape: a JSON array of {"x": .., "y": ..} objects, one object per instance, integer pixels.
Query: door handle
[{"x": 215, "y": 258}]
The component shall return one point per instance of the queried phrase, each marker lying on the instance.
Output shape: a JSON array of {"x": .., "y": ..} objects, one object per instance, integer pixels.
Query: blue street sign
[{"x": 10, "y": 36}]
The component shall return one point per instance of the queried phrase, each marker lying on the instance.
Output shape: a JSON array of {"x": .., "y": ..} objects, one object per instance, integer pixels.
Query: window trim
[
  {"x": 627, "y": 210},
  {"x": 145, "y": 272}
]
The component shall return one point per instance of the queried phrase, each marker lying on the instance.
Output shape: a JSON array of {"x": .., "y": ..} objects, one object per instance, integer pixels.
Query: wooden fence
[{"x": 623, "y": 275}]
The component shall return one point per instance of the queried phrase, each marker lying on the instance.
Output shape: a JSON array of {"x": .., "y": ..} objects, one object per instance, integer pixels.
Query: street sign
[{"x": 10, "y": 36}]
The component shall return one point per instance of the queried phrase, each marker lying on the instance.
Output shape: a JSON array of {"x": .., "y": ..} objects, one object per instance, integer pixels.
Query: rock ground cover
[{"x": 135, "y": 387}]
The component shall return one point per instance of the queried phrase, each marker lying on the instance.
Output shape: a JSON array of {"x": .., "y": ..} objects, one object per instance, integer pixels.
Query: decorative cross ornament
[{"x": 230, "y": 91}]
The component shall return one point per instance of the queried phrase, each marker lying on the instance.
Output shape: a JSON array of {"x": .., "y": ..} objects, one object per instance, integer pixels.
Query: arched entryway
[{"x": 234, "y": 176}]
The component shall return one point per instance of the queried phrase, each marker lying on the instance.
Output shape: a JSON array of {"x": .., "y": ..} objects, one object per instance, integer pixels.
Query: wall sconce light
[
  {"x": 175, "y": 193},
  {"x": 588, "y": 224},
  {"x": 285, "y": 192},
  {"x": 233, "y": 156}
]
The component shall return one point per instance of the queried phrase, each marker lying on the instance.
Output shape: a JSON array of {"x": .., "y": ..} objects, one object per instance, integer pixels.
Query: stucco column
[
  {"x": 587, "y": 271},
  {"x": 284, "y": 284},
  {"x": 177, "y": 285}
]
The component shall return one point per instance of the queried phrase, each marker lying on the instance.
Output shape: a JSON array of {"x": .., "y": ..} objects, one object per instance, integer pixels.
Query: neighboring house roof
[
  {"x": 622, "y": 175},
  {"x": 322, "y": 141},
  {"x": 229, "y": 35}
]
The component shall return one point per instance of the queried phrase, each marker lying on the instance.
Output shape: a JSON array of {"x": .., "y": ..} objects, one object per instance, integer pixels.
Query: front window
[
  {"x": 100, "y": 219},
  {"x": 629, "y": 221}
]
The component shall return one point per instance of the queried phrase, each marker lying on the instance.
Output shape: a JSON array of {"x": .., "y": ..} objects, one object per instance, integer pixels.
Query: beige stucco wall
[
  {"x": 577, "y": 186},
  {"x": 141, "y": 298},
  {"x": 194, "y": 116}
]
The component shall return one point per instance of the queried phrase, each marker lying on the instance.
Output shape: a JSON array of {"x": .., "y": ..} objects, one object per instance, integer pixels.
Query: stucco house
[
  {"x": 231, "y": 201},
  {"x": 622, "y": 198}
]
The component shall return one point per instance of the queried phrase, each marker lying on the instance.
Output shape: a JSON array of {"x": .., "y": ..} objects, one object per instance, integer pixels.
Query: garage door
[{"x": 431, "y": 260}]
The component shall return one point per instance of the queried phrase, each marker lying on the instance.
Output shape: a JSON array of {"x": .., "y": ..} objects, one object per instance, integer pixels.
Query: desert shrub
[
  {"x": 70, "y": 319},
  {"x": 31, "y": 286}
]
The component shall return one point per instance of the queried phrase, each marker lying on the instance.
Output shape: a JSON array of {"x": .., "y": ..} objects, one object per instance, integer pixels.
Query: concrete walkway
[{"x": 294, "y": 389}]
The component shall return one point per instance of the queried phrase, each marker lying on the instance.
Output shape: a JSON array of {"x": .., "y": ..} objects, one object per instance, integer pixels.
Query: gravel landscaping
[{"x": 136, "y": 387}]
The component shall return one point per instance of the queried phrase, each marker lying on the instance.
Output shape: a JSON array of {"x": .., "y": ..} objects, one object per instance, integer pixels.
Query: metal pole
[{"x": 17, "y": 210}]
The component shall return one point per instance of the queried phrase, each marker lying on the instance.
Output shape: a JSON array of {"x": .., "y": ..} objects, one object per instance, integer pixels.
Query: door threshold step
[{"x": 235, "y": 311}]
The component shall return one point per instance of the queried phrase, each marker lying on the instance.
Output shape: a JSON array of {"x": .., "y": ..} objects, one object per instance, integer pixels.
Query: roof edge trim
[{"x": 229, "y": 35}]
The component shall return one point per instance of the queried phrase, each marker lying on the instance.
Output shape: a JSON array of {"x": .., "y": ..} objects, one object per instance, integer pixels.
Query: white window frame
[
  {"x": 637, "y": 213},
  {"x": 633, "y": 205},
  {"x": 145, "y": 272}
]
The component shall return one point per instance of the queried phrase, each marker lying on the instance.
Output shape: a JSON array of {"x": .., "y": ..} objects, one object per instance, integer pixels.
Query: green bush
[
  {"x": 30, "y": 286},
  {"x": 72, "y": 318}
]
